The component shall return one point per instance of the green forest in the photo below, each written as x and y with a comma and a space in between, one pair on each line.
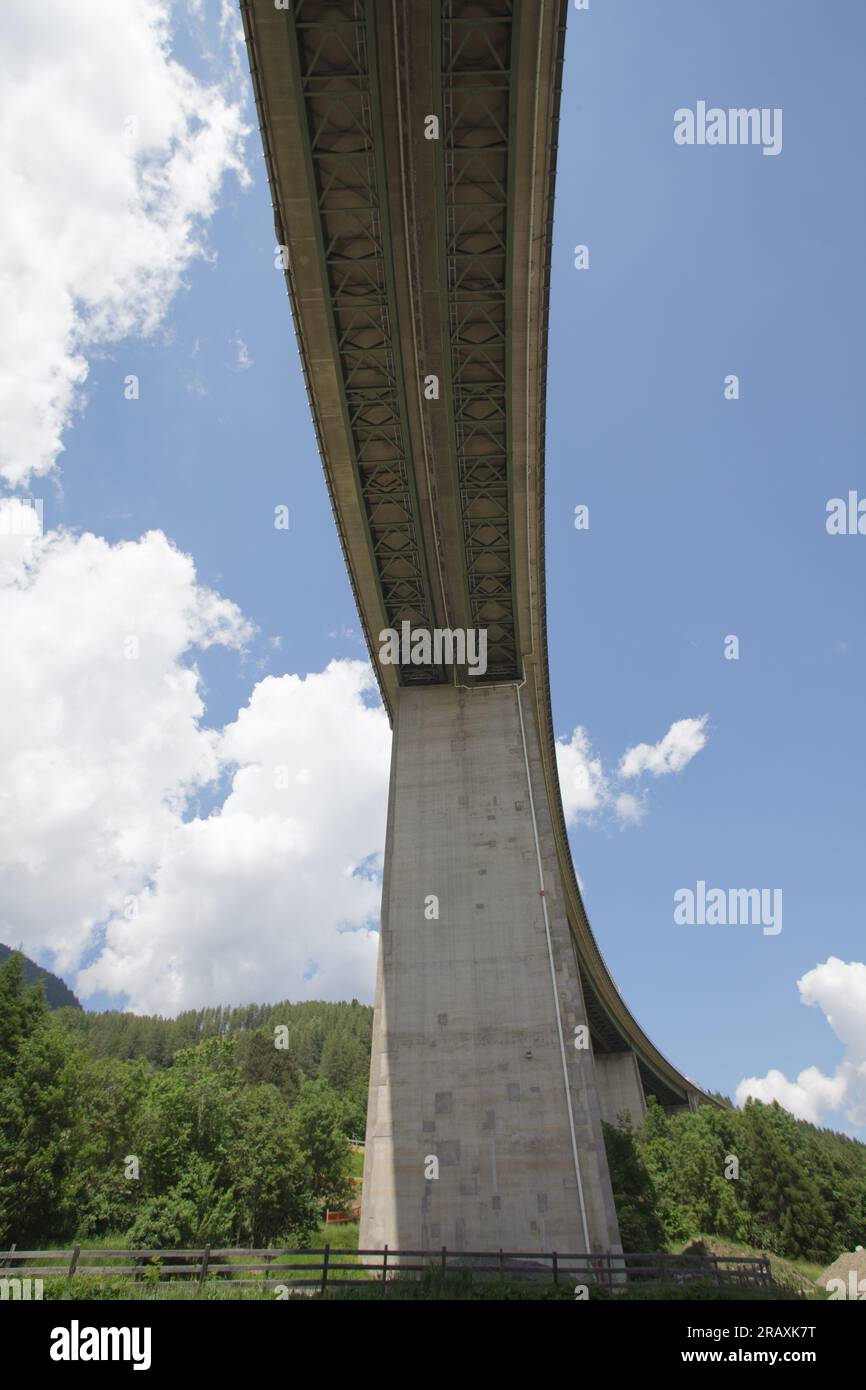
219, 1127
233, 1126
794, 1190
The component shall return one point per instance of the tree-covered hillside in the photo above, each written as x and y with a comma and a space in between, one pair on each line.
754, 1175
222, 1127
58, 995
327, 1040
233, 1125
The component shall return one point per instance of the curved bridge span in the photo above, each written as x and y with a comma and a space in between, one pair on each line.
411, 151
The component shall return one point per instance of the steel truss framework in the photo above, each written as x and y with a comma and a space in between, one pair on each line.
334, 50
334, 53
476, 77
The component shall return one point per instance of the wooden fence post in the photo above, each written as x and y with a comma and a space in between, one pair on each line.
443, 1261
204, 1264
384, 1270
555, 1269
73, 1262
325, 1269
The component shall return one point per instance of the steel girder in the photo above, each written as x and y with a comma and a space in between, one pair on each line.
333, 44
476, 79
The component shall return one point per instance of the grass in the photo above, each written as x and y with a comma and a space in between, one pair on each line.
467, 1289
429, 1288
798, 1276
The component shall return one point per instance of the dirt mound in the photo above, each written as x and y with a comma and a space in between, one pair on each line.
840, 1269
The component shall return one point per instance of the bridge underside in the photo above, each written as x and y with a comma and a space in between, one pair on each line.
411, 153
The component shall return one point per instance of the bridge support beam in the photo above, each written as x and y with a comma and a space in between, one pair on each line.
484, 1122
620, 1089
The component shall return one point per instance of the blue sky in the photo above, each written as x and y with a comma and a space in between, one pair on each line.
707, 518
711, 513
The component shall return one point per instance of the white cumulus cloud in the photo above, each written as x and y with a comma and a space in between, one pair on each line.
276, 893
587, 788
100, 741
112, 155
838, 988
672, 753
581, 776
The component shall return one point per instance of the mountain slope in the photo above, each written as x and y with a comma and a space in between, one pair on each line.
57, 994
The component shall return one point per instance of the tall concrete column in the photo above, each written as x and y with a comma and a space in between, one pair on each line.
475, 1073
620, 1089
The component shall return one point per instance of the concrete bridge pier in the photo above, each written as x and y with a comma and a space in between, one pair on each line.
620, 1089
484, 1120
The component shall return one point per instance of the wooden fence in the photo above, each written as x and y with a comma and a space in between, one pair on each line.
360, 1267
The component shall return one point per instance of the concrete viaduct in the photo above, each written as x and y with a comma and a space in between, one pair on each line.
411, 147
